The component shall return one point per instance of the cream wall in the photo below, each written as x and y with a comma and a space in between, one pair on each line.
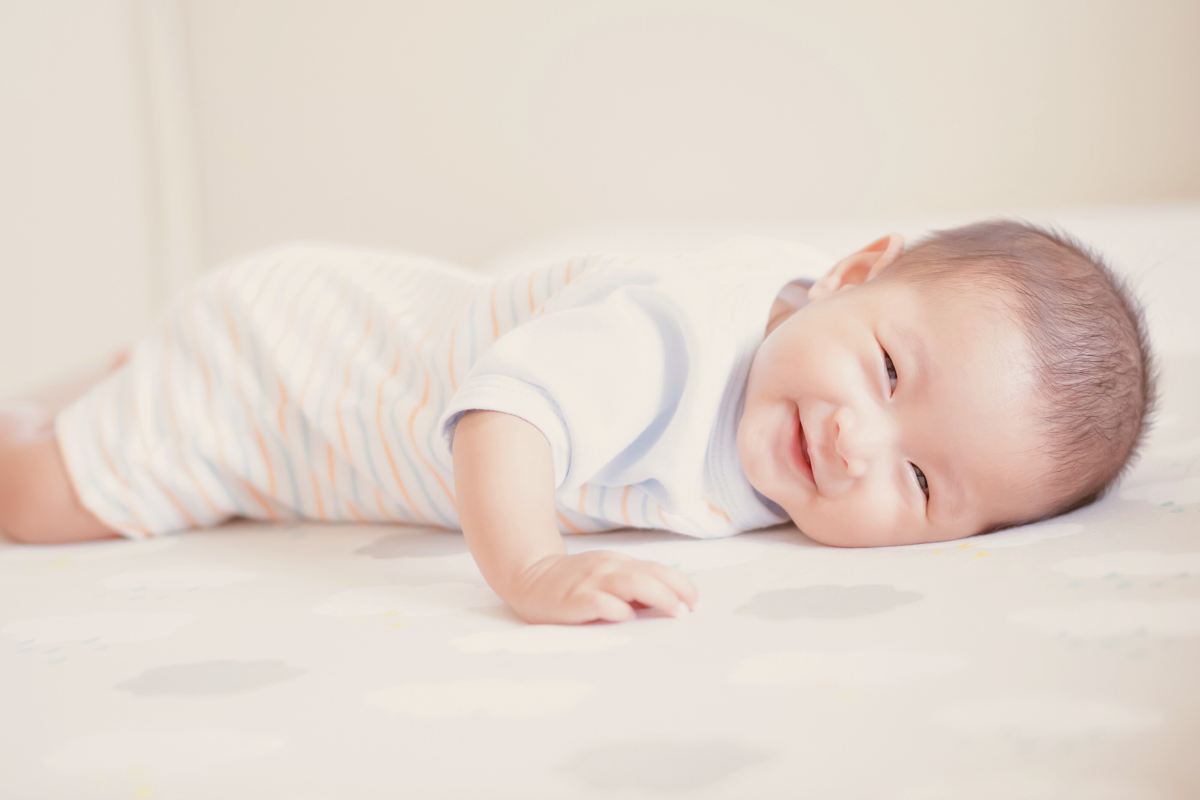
141, 140
76, 224
462, 126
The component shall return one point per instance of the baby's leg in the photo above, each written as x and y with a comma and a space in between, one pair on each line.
38, 504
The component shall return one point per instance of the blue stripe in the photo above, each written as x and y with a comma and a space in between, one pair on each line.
225, 393
96, 483
433, 438
395, 502
417, 357
512, 301
366, 443
155, 412
354, 487
471, 318
155, 499
309, 347
263, 411
198, 390
283, 443
409, 390
317, 413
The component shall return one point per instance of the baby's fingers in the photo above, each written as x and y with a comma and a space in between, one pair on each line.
649, 590
610, 608
680, 583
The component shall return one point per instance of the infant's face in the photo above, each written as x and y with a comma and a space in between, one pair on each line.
883, 415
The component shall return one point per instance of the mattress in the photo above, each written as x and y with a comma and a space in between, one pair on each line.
311, 662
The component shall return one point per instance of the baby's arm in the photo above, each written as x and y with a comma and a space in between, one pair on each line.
504, 482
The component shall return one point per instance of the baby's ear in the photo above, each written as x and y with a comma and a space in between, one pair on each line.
860, 267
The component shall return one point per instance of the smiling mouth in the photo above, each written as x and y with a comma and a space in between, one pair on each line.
800, 451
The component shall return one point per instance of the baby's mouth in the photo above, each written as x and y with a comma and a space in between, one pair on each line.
807, 461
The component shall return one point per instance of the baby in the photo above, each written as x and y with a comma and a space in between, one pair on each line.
989, 376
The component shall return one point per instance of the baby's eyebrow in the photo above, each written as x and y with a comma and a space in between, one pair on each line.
915, 345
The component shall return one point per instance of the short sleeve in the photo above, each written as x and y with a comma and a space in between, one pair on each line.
600, 380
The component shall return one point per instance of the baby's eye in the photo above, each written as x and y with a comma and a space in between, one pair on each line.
891, 370
921, 480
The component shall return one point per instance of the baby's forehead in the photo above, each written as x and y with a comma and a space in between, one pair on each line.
957, 318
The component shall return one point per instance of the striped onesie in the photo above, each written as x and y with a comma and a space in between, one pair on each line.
324, 382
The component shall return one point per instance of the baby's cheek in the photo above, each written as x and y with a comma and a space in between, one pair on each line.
851, 521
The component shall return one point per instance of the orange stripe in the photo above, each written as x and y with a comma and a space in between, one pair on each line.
469, 305
333, 483
287, 324
531, 303
566, 521
262, 446
112, 468
144, 530
413, 438
208, 391
249, 413
317, 492
424, 401
175, 502
261, 288
383, 437
379, 502
660, 516
282, 406
262, 501
419, 298
495, 323
717, 511
625, 504
175, 424
324, 336
569, 270
345, 443
337, 407
450, 360
582, 497
411, 274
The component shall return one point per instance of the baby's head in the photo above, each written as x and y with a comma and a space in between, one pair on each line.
991, 375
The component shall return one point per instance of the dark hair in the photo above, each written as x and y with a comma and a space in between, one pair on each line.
1094, 370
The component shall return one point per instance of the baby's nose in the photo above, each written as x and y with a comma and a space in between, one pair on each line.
856, 440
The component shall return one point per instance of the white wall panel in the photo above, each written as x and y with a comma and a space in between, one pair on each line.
74, 230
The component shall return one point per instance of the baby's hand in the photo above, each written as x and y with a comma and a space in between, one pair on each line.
599, 585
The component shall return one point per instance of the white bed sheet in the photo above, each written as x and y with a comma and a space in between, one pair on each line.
315, 661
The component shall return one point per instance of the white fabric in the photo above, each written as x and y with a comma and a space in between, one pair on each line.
308, 381
636, 375
299, 382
